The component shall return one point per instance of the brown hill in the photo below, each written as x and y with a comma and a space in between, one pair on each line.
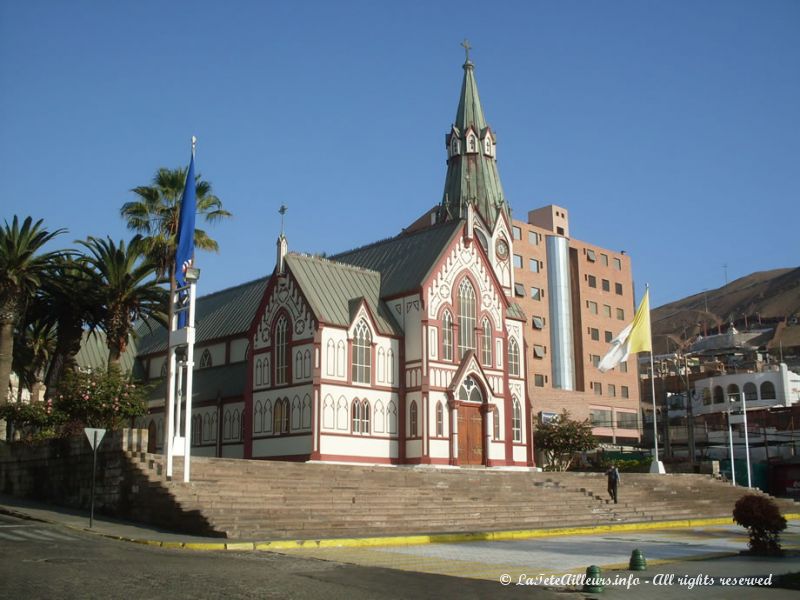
766, 298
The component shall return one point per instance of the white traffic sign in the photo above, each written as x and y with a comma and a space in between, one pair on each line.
95, 436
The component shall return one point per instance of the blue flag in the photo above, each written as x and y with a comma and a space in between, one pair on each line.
185, 251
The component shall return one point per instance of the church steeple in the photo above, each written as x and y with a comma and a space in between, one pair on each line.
472, 176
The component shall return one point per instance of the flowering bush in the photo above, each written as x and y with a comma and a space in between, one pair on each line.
32, 420
98, 399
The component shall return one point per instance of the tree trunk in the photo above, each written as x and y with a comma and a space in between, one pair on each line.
68, 345
6, 357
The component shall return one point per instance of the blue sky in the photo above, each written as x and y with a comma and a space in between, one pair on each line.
669, 129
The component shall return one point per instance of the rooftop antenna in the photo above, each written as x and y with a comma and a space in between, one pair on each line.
282, 210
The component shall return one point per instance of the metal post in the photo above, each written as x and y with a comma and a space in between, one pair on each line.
746, 441
187, 440
656, 466
94, 473
730, 442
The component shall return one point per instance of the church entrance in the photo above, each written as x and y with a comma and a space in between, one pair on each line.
470, 435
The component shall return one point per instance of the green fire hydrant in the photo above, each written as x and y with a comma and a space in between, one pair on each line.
594, 582
637, 562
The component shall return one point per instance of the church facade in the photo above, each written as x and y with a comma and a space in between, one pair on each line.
410, 350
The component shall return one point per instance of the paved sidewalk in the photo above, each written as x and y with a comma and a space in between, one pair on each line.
698, 558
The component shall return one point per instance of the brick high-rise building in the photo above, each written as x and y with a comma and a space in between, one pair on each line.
577, 297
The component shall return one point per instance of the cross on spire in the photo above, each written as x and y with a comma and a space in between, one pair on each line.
467, 47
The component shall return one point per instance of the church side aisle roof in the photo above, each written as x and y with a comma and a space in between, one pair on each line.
221, 314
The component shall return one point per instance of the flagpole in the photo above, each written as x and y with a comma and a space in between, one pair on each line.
656, 466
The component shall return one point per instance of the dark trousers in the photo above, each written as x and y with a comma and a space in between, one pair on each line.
612, 490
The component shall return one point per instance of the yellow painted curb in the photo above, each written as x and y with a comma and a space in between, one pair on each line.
239, 546
204, 546
172, 544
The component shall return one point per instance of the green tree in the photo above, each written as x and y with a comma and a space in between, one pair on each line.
561, 438
68, 300
156, 211
33, 348
22, 264
127, 290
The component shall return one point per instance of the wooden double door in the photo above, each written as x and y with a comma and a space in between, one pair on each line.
470, 435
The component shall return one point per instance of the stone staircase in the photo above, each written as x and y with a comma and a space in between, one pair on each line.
245, 499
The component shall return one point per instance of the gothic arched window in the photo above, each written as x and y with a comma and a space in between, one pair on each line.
281, 351
362, 353
513, 357
466, 318
439, 419
486, 344
768, 391
447, 336
205, 359
413, 419
516, 420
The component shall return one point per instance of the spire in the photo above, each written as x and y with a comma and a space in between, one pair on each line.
472, 176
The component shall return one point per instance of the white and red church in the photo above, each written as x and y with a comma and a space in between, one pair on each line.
406, 351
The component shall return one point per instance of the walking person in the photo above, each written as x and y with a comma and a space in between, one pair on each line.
613, 481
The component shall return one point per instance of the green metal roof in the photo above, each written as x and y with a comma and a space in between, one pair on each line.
403, 261
93, 353
226, 381
331, 288
222, 314
472, 178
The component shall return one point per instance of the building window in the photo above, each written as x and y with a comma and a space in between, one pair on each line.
590, 256
362, 353
618, 264
361, 416
719, 395
592, 306
513, 357
750, 391
539, 351
413, 419
466, 318
536, 293
618, 289
533, 238
628, 420
356, 410
205, 359
516, 420
495, 423
533, 265
447, 336
733, 393
612, 390
486, 344
598, 388
604, 259
606, 311
594, 333
439, 420
768, 391
623, 391
595, 360
517, 232
469, 392
537, 322
280, 416
608, 336
517, 261
592, 281
538, 380
281, 351
620, 314
365, 417
599, 417
519, 290
623, 367
706, 396
606, 285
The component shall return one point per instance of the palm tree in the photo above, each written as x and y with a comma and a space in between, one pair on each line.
127, 290
68, 301
155, 216
21, 269
33, 348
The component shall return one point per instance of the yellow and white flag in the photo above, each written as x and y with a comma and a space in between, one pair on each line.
634, 338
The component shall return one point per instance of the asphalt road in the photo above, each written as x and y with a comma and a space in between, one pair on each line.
39, 560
